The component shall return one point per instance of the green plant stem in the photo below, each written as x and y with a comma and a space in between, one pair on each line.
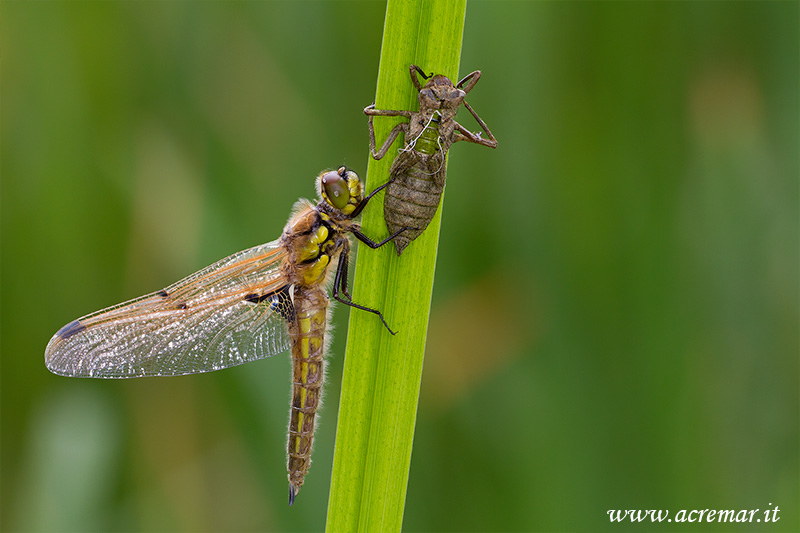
380, 387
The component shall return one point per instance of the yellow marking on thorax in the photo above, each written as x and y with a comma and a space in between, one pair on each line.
312, 248
315, 271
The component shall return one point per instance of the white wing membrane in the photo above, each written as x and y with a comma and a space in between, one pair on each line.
227, 314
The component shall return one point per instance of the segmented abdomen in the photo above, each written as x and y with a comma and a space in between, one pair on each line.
413, 197
308, 351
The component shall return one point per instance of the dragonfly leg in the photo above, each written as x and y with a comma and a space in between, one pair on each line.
341, 270
463, 134
472, 78
372, 244
414, 70
402, 127
360, 207
371, 111
341, 281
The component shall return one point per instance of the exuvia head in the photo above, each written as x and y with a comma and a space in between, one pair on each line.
440, 93
340, 189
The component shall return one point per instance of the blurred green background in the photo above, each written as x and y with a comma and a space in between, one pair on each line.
615, 315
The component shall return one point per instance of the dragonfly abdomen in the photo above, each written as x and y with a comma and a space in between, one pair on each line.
413, 197
308, 351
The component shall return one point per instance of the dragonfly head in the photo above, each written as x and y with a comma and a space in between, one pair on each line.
340, 189
440, 93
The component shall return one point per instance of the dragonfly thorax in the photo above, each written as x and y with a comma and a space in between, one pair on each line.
429, 141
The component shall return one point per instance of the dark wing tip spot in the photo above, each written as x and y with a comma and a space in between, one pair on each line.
162, 293
71, 329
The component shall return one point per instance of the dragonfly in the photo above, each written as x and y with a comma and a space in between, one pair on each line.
417, 175
249, 306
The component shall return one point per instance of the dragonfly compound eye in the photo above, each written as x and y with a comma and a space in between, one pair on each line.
457, 95
428, 98
335, 189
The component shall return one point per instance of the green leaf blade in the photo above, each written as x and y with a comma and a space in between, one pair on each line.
380, 386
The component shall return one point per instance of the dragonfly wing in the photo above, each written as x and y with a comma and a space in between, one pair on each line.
229, 313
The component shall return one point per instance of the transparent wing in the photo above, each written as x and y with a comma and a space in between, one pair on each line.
229, 313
